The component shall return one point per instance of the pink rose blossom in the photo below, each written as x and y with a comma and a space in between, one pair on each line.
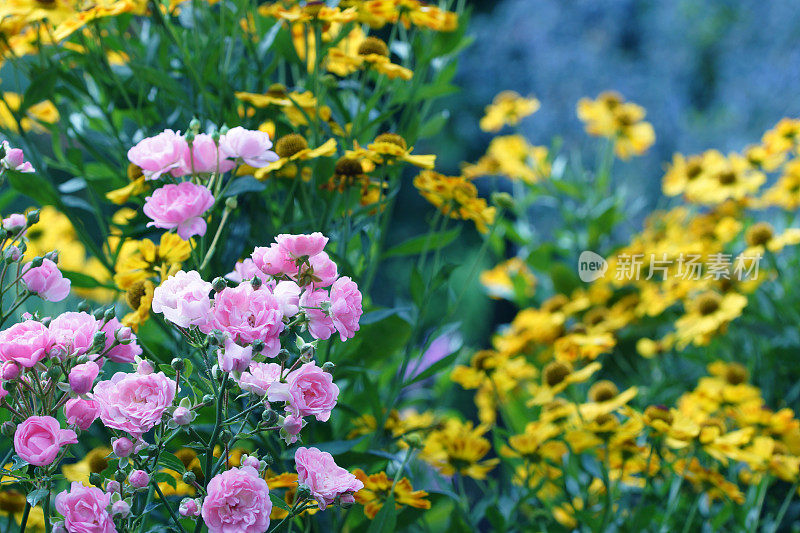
183, 299
345, 307
46, 281
179, 207
14, 159
234, 358
10, 370
274, 260
159, 154
144, 367
134, 403
203, 157
320, 324
139, 479
291, 429
309, 391
189, 507
247, 314
73, 333
259, 377
251, 146
81, 377
121, 353
25, 343
288, 295
245, 270
39, 439
122, 446
324, 269
80, 412
237, 501
323, 476
302, 245
15, 223
251, 461
85, 509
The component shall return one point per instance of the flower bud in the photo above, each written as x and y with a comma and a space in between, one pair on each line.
283, 355
231, 203
189, 507
219, 284
328, 367
120, 476
37, 262
32, 217
139, 479
52, 256
256, 283
113, 486
178, 365
10, 370
346, 500
194, 125
182, 416
54, 373
99, 339
249, 460
109, 314
123, 334
84, 306
120, 508
95, 479
98, 314
303, 492
11, 254
144, 368
8, 428
122, 446
81, 377
189, 477
502, 200
258, 346
269, 417
59, 527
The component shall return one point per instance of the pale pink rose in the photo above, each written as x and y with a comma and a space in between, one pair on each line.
189, 507
324, 269
234, 358
81, 377
46, 281
85, 509
302, 245
320, 324
26, 343
246, 270
237, 501
251, 146
121, 353
309, 391
345, 307
323, 476
251, 461
288, 295
122, 446
179, 206
247, 314
15, 223
259, 377
183, 299
14, 159
73, 333
291, 428
159, 154
274, 260
132, 402
80, 412
203, 157
139, 479
144, 367
39, 439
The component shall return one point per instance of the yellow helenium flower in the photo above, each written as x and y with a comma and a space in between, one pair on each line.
456, 197
507, 109
514, 157
785, 193
44, 112
459, 448
377, 488
387, 148
707, 315
500, 282
294, 147
623, 122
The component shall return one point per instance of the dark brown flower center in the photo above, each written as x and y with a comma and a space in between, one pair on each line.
555, 373
373, 45
290, 144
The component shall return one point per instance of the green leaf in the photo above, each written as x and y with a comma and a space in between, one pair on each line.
170, 461
245, 184
280, 502
428, 242
386, 518
438, 366
34, 497
417, 287
81, 280
34, 186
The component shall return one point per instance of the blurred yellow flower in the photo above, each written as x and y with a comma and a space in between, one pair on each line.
507, 109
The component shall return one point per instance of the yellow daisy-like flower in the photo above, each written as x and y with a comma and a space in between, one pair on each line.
377, 488
139, 297
507, 109
761, 236
610, 116
456, 197
785, 193
503, 280
556, 377
137, 186
514, 157
388, 148
42, 112
724, 178
783, 137
292, 148
707, 315
459, 448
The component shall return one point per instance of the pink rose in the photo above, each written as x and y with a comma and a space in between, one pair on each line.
122, 446
259, 377
121, 353
345, 307
183, 299
189, 507
80, 412
46, 281
15, 223
81, 377
234, 358
288, 295
121, 508
247, 314
10, 370
39, 439
85, 509
179, 207
26, 343
139, 479
182, 416
320, 324
302, 245
245, 270
144, 367
237, 501
73, 333
274, 260
309, 391
134, 403
320, 473
252, 147
291, 428
324, 269
203, 157
159, 154
14, 159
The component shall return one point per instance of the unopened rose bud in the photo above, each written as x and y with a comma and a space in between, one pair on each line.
231, 203
84, 306
215, 137
269, 417
283, 355
182, 416
219, 284
258, 346
109, 314
54, 373
144, 368
328, 367
120, 508
194, 125
303, 492
256, 283
122, 447
346, 500
37, 262
52, 256
249, 460
10, 370
123, 334
120, 476
178, 365
189, 508
139, 479
95, 479
113, 486
8, 428
99, 339
98, 314
32, 217
189, 477
11, 254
